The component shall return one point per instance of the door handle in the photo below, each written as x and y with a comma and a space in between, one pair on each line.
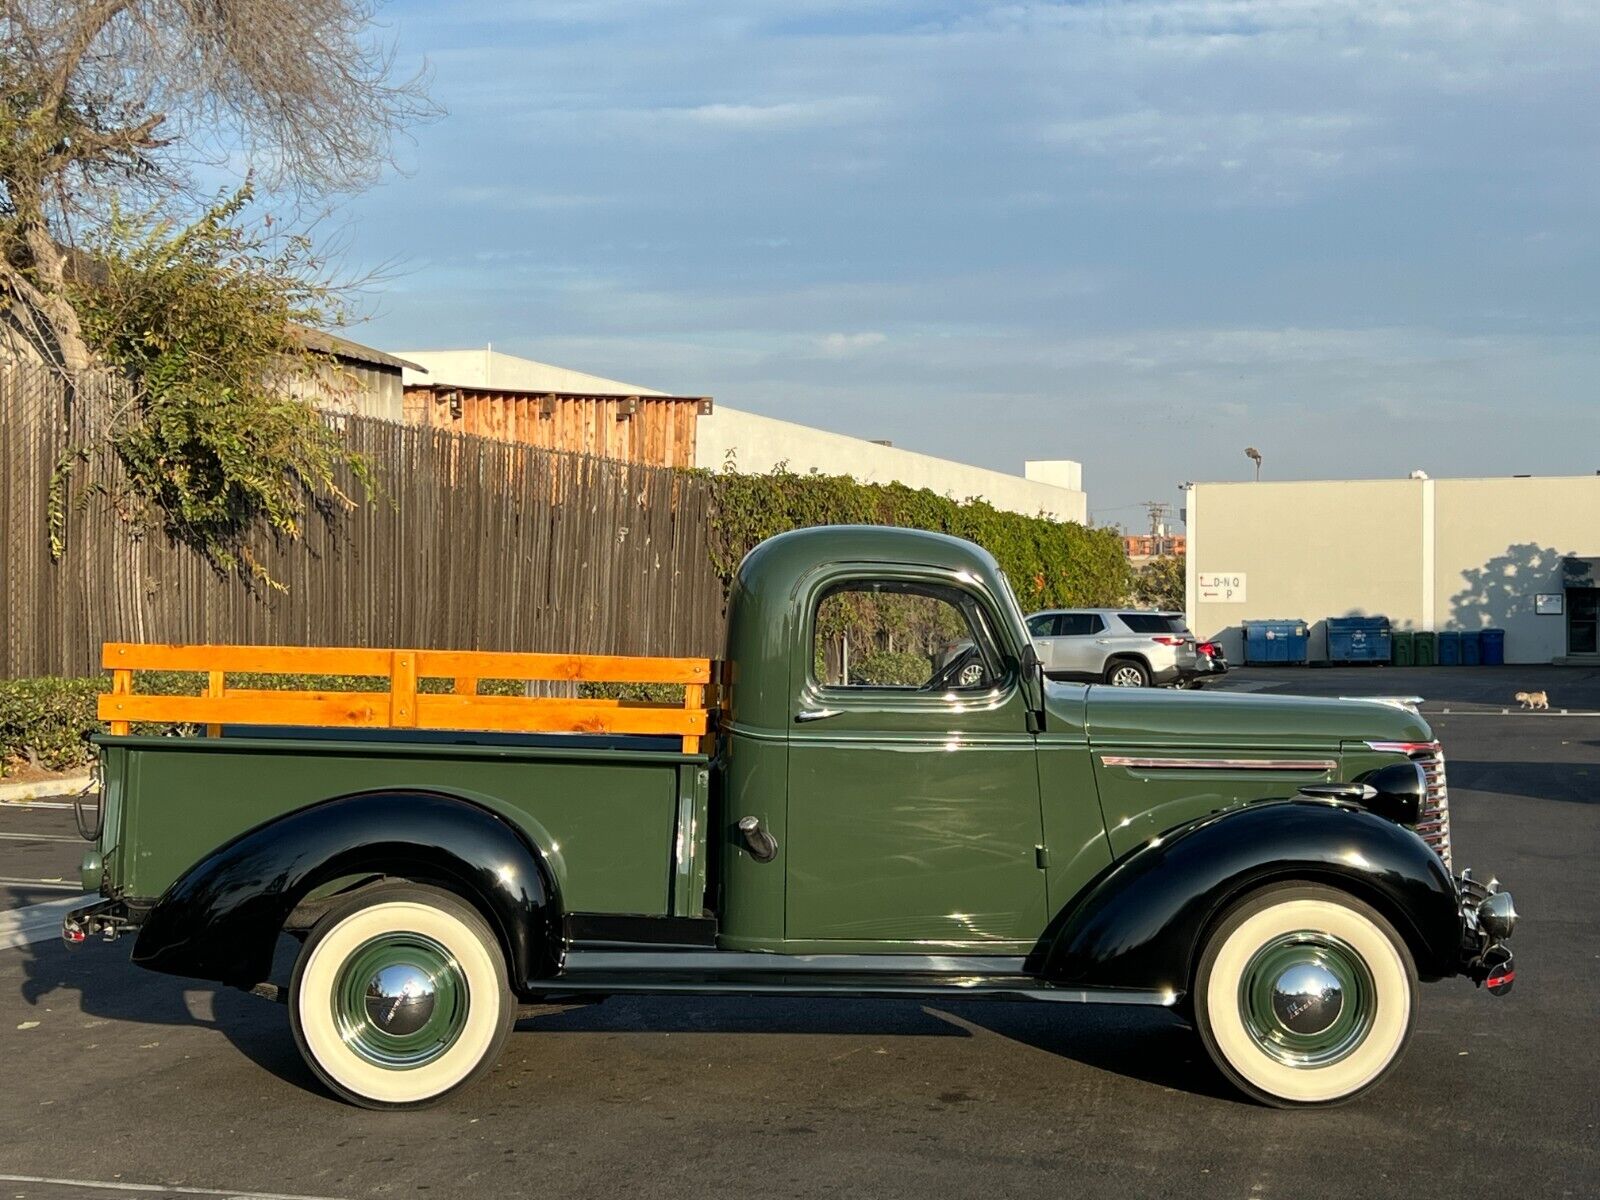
817, 714
763, 847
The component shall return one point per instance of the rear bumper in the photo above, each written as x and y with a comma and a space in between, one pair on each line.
1488, 917
107, 918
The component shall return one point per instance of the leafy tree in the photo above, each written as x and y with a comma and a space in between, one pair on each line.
204, 320
1160, 583
132, 99
111, 255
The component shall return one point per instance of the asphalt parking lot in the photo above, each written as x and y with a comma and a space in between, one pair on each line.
113, 1078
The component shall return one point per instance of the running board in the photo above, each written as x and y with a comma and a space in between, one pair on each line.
884, 976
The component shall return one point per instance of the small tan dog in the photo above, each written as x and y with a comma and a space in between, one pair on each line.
1531, 700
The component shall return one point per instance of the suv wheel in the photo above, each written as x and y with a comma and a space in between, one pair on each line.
400, 996
1127, 672
1304, 996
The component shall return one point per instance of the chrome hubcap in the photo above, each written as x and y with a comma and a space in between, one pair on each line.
1307, 999
400, 1000
1126, 677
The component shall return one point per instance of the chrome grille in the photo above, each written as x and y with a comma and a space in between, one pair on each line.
1434, 825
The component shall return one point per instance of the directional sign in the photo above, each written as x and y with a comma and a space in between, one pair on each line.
1220, 587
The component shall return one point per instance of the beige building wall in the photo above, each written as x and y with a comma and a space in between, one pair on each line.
757, 444
1427, 554
1499, 543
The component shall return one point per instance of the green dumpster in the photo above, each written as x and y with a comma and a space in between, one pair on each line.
1427, 651
1402, 648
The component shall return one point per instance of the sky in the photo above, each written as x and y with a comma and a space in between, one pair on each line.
1359, 235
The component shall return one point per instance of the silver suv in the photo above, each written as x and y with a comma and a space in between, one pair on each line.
1117, 646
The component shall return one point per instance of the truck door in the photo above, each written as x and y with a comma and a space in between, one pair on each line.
913, 808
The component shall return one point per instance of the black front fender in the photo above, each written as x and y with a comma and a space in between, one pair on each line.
1139, 925
221, 919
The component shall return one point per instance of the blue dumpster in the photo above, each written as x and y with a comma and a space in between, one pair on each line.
1449, 648
1276, 642
1471, 647
1493, 650
1358, 639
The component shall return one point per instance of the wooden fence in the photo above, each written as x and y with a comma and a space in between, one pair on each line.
475, 544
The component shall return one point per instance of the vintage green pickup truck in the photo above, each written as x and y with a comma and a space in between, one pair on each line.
1275, 869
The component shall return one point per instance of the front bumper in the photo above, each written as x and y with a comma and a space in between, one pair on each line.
1488, 917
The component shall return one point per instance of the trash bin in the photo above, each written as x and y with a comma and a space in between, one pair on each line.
1449, 648
1471, 647
1427, 653
1493, 648
1275, 642
1358, 639
1402, 648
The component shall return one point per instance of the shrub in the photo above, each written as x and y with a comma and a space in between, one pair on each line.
891, 668
1051, 564
44, 721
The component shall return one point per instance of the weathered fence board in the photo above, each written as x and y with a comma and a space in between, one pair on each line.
474, 544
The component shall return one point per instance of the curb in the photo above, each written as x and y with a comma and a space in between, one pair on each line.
45, 789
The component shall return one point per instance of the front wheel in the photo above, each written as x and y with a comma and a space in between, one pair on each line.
1305, 996
399, 996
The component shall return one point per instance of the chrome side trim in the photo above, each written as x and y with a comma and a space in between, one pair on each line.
1221, 764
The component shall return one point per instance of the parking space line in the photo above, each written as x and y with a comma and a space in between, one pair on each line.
39, 837
35, 804
58, 884
1519, 713
157, 1189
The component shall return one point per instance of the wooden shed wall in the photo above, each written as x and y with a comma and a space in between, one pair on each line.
660, 432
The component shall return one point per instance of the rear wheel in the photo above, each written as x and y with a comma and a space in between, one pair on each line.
1127, 672
1305, 996
400, 996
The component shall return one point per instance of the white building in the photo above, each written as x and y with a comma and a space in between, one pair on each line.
1515, 553
758, 444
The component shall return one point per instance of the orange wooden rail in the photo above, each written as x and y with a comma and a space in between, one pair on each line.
402, 706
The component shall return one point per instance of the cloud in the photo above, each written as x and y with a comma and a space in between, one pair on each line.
842, 345
975, 226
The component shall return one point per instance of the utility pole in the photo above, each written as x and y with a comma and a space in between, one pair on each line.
1160, 511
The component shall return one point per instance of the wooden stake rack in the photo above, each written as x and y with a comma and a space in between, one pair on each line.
402, 706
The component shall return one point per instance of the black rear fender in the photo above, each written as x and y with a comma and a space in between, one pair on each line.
221, 919
1141, 924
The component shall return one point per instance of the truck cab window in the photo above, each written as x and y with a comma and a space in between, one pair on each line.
903, 636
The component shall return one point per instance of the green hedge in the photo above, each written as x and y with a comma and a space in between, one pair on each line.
1050, 563
45, 721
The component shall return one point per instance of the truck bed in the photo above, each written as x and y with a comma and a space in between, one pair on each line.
610, 814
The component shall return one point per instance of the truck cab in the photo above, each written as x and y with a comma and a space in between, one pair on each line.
896, 802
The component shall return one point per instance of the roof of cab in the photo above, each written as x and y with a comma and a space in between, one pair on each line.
796, 553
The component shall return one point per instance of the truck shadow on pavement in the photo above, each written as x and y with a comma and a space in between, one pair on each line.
108, 986
1143, 1044
1150, 1045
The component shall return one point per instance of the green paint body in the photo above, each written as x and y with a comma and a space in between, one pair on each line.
905, 822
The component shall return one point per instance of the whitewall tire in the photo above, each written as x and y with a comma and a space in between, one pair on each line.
1305, 996
400, 996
